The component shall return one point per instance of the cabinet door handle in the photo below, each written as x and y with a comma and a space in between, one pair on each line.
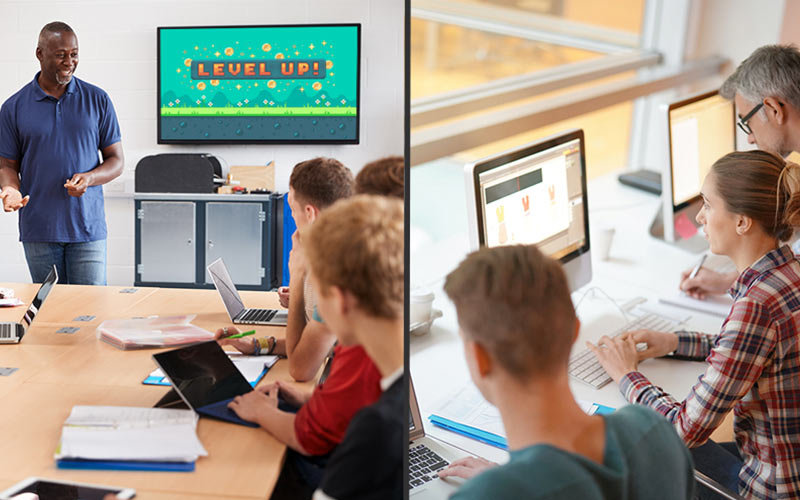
189, 242
210, 244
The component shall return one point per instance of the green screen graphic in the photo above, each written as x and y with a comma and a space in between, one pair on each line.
274, 83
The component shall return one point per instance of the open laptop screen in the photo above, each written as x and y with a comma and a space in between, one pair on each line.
202, 374
224, 284
415, 429
41, 295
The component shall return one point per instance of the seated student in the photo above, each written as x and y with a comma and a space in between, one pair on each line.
384, 177
352, 381
355, 255
518, 324
313, 186
751, 200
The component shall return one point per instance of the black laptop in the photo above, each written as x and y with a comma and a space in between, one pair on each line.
11, 332
206, 379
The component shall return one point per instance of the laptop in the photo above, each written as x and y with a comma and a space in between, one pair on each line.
206, 379
239, 314
12, 333
427, 456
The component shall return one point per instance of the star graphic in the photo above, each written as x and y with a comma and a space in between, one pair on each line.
238, 87
179, 70
296, 52
196, 47
311, 47
324, 42
216, 53
302, 89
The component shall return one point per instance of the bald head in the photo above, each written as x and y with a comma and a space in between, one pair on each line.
56, 28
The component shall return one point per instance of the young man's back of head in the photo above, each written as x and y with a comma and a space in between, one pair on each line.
321, 182
516, 303
384, 177
357, 246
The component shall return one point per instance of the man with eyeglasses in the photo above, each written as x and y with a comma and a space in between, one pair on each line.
765, 89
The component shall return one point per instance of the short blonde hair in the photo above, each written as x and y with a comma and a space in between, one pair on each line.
357, 245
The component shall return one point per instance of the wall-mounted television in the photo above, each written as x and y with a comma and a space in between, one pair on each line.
277, 84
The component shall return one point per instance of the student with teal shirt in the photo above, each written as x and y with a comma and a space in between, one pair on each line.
518, 325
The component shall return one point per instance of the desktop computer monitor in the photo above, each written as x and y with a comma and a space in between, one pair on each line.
534, 194
700, 130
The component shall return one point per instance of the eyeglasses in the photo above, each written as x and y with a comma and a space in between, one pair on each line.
742, 121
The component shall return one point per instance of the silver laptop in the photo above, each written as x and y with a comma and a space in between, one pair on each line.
239, 314
12, 333
427, 456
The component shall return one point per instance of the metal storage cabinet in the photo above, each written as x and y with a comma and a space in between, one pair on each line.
234, 231
168, 244
178, 235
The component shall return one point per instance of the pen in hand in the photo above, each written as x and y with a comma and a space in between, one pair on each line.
697, 267
243, 334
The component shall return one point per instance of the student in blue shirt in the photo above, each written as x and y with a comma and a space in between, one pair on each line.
517, 324
50, 134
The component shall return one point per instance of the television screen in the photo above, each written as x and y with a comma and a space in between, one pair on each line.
259, 84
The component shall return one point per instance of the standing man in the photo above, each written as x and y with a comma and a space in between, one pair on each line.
50, 134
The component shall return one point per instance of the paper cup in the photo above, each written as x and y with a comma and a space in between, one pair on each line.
602, 242
420, 306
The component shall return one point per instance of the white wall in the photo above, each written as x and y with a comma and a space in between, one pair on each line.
117, 42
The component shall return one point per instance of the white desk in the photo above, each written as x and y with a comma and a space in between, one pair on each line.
639, 266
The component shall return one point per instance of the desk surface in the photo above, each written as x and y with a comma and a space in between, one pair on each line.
639, 266
57, 371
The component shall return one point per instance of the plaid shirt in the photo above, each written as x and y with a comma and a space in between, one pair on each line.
754, 369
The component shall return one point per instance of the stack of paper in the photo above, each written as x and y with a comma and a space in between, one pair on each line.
127, 438
137, 333
252, 367
466, 412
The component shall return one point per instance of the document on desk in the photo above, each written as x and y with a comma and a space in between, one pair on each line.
252, 367
128, 434
466, 412
718, 305
139, 333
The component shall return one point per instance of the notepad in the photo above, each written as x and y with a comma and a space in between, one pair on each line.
718, 305
467, 413
252, 367
129, 438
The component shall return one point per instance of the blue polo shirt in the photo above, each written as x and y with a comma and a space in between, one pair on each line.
53, 139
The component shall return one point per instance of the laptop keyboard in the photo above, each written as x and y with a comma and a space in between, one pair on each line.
423, 464
584, 365
257, 316
8, 331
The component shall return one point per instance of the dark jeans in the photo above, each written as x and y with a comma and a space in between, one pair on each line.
300, 475
719, 461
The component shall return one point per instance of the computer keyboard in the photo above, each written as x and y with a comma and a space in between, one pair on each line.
8, 331
584, 366
423, 464
258, 316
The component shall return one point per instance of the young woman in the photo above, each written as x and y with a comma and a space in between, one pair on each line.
751, 202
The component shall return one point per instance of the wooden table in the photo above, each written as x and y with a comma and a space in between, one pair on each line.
57, 371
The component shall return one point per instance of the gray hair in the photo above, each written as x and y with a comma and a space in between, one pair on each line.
770, 71
51, 28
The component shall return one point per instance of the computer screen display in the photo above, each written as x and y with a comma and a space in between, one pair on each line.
278, 84
701, 130
537, 198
